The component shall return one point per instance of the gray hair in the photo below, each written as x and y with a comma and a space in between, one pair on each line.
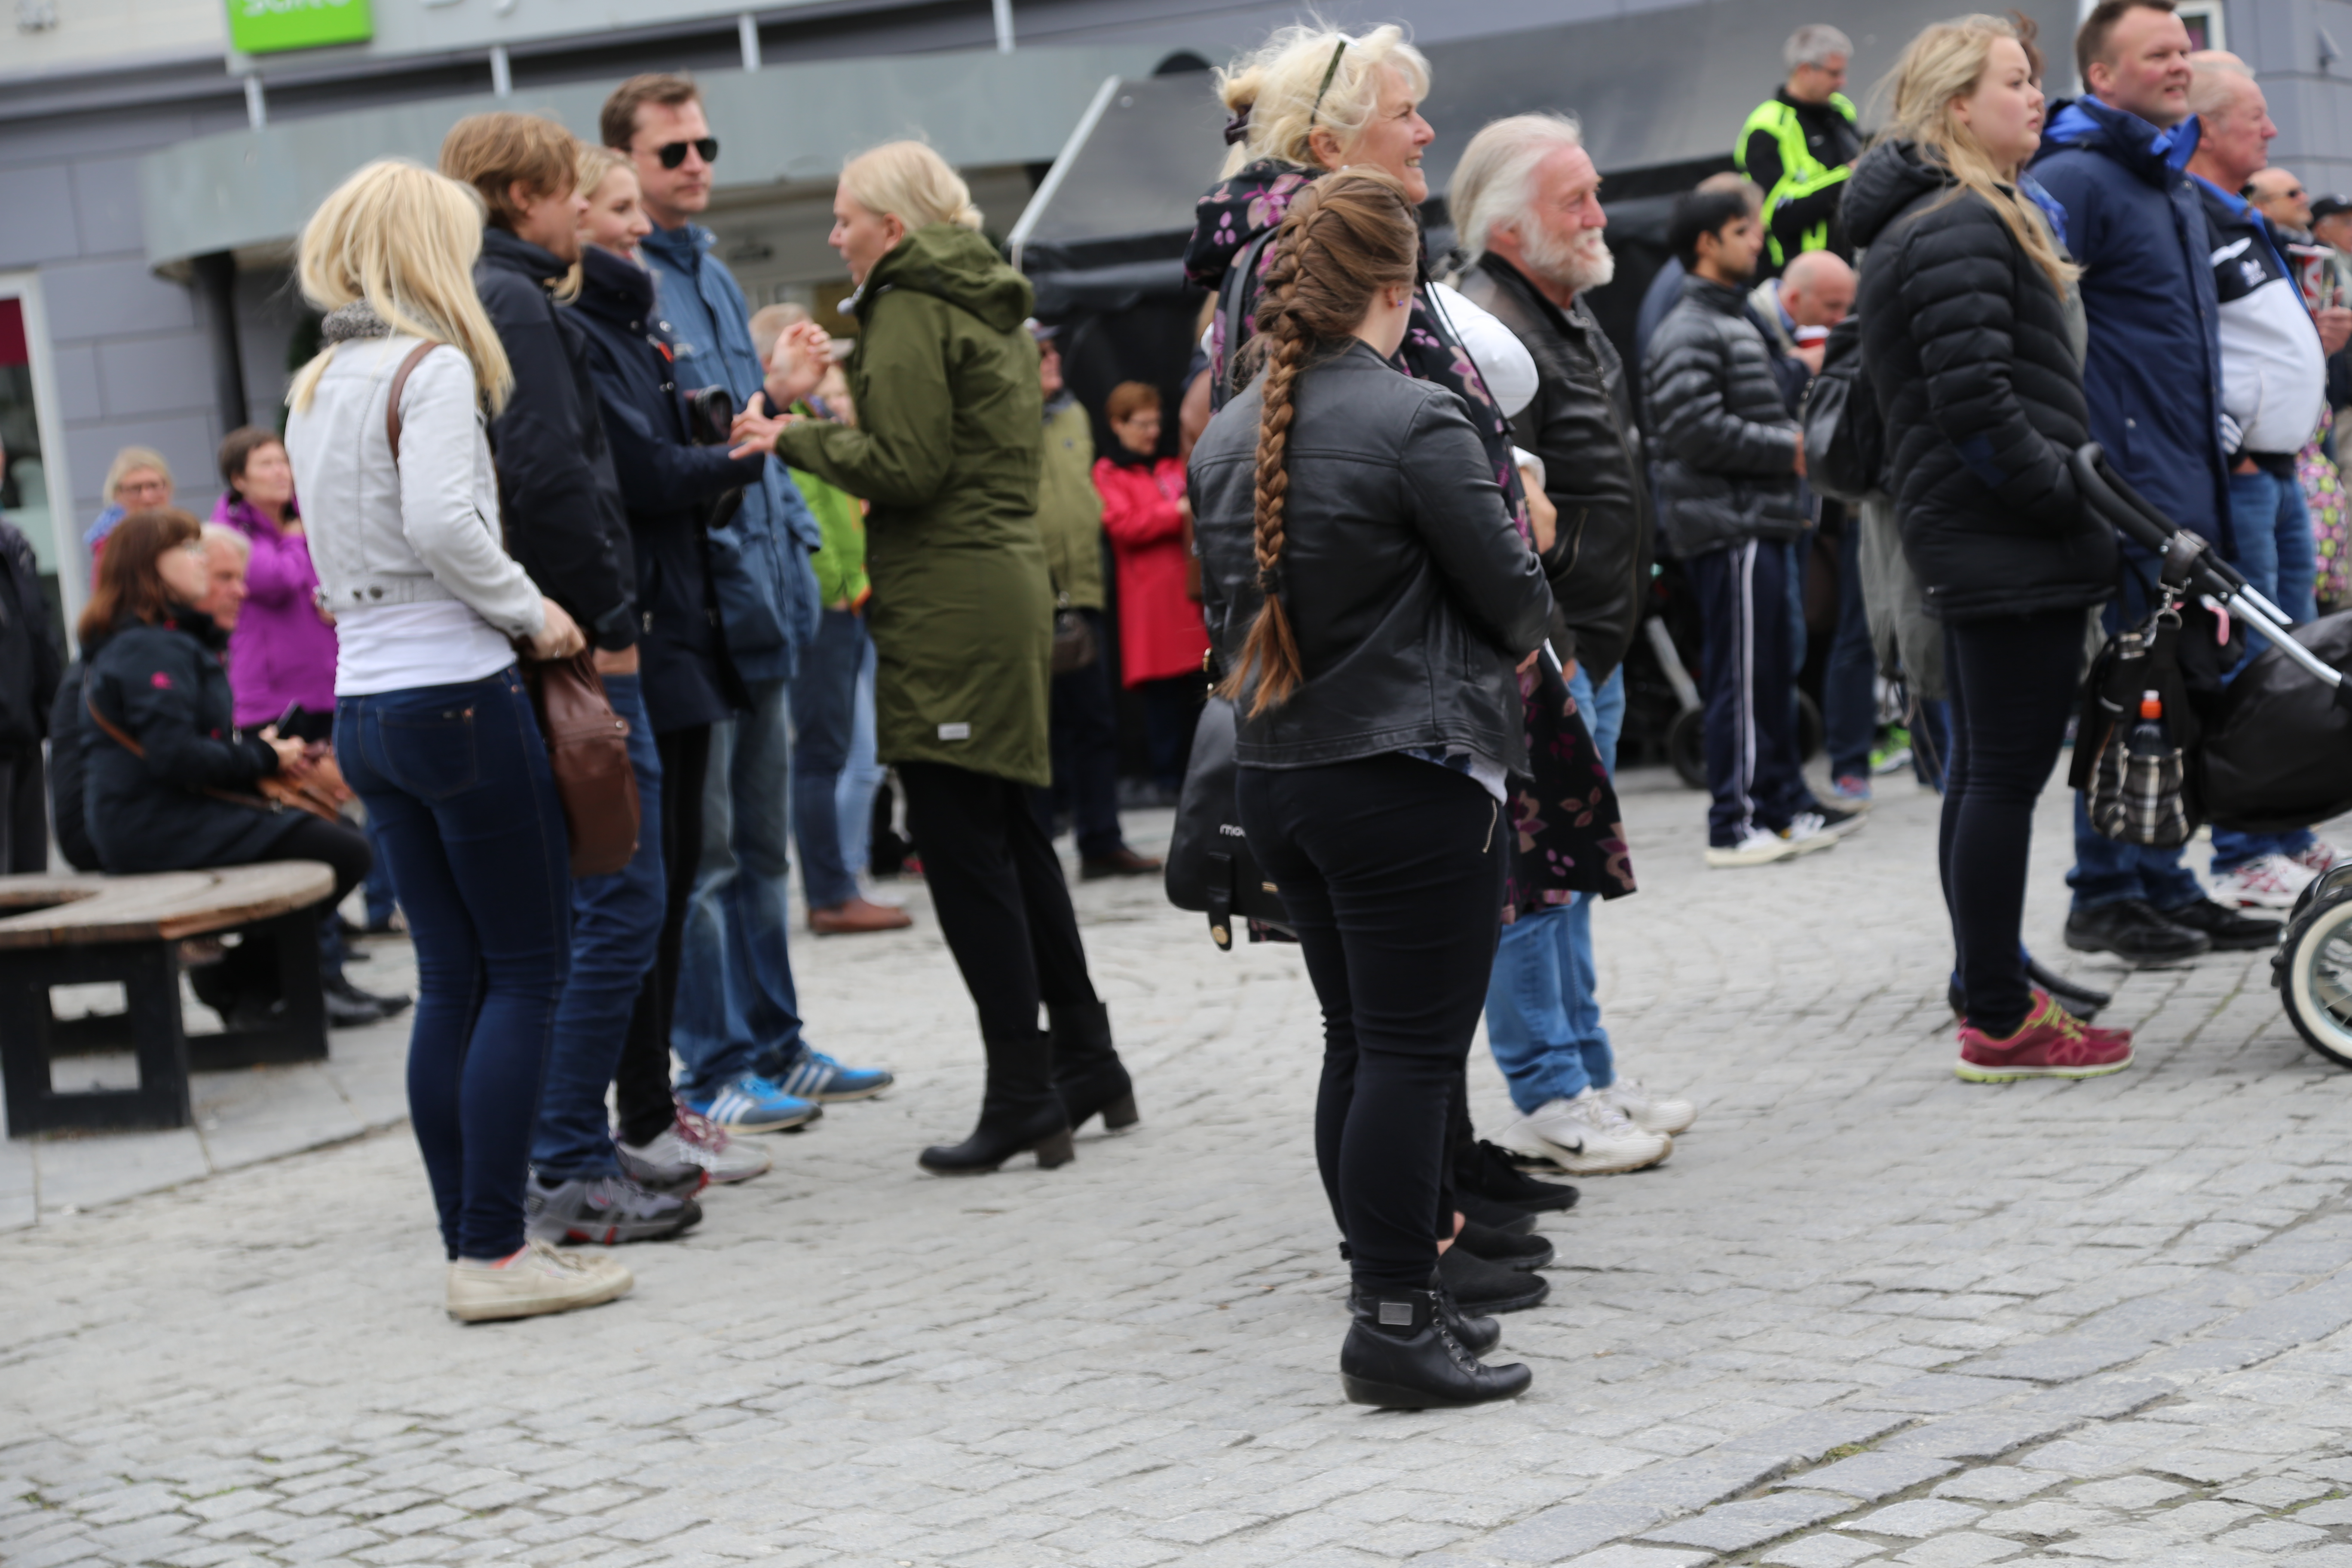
222, 533
1493, 182
1813, 44
2213, 80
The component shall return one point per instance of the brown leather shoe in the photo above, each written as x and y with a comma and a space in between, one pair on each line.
1125, 863
857, 915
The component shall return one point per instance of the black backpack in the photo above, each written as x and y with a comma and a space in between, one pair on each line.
1210, 866
1845, 439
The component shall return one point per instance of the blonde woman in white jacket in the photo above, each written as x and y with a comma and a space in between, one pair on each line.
433, 727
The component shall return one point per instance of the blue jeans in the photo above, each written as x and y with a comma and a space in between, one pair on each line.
1849, 686
2106, 872
615, 924
457, 781
2280, 559
377, 888
1543, 1022
853, 797
824, 702
736, 1003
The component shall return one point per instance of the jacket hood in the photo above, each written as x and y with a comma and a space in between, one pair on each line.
1890, 177
613, 286
2148, 150
501, 248
955, 264
1236, 210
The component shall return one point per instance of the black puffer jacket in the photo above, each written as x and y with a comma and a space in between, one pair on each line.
1726, 446
164, 685
69, 766
1411, 593
1581, 425
1964, 341
557, 493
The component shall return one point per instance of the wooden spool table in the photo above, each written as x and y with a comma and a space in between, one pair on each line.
79, 930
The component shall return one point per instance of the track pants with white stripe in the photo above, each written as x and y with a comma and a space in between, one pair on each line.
1751, 743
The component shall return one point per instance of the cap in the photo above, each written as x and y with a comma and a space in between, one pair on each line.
2328, 207
1043, 332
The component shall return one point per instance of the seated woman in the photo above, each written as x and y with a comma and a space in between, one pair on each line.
167, 779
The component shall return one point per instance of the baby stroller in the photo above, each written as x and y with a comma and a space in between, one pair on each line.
2268, 751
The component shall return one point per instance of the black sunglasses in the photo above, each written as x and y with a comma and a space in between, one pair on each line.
673, 153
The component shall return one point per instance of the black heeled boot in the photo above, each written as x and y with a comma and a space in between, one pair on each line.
1018, 1113
1088, 1073
1400, 1355
1478, 1336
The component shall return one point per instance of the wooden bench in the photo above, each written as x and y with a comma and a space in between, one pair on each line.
81, 929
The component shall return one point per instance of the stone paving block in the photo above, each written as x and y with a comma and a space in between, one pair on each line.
1994, 1483
1985, 1436
1822, 1551
1639, 1557
1736, 1526
1870, 1476
1916, 1519
2337, 1510
2138, 1492
1571, 1529
2274, 1535
1939, 1393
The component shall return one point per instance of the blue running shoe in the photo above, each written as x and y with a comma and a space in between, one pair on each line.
753, 1104
813, 1075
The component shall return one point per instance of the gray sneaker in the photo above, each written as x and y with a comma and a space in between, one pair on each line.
606, 1210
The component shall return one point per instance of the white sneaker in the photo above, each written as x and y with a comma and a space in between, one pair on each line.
2319, 858
2265, 882
1588, 1136
536, 1280
1808, 831
1649, 1111
693, 1140
1758, 849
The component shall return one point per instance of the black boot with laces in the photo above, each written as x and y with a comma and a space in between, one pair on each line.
1400, 1355
1478, 1336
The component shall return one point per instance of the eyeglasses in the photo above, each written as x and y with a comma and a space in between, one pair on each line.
673, 153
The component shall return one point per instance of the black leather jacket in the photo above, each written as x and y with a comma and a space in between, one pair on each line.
1411, 593
1724, 439
1581, 425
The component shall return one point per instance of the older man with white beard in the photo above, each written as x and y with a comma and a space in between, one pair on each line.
1527, 201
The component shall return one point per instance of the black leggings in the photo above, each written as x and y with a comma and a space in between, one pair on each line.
641, 1083
1391, 871
2012, 684
997, 888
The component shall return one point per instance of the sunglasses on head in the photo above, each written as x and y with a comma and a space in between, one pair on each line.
673, 153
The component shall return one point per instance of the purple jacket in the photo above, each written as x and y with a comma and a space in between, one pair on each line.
280, 652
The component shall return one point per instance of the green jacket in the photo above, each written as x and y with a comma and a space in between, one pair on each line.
1801, 153
946, 451
840, 563
1069, 508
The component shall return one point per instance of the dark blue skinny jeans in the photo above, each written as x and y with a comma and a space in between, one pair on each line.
455, 780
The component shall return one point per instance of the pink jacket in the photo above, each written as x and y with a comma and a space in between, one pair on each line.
280, 652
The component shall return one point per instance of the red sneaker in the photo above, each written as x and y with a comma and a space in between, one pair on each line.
2049, 1043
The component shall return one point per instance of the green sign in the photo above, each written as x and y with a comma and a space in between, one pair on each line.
267, 26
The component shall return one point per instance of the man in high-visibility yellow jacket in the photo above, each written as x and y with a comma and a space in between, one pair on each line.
1800, 145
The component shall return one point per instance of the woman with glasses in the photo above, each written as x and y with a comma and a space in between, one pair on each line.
139, 479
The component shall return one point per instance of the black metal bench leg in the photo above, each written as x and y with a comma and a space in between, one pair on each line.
148, 974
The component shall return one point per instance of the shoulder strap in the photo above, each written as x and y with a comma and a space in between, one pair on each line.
115, 731
399, 386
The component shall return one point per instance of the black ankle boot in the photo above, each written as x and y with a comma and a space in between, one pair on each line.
1019, 1112
1400, 1355
1478, 1336
1088, 1073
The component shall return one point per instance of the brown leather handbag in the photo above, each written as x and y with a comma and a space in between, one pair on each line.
587, 742
319, 788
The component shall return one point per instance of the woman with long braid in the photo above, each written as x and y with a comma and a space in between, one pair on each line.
1369, 596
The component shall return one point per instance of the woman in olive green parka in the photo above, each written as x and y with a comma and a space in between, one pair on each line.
946, 454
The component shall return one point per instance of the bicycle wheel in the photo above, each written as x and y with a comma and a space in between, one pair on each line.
2313, 970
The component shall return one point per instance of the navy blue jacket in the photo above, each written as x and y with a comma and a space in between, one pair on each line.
2153, 377
667, 485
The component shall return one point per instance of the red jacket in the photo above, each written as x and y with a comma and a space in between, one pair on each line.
1161, 632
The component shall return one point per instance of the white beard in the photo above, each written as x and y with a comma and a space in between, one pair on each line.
1583, 263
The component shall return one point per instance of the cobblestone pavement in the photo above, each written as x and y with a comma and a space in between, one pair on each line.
1866, 1314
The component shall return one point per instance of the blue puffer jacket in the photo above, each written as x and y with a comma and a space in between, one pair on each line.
759, 562
2153, 377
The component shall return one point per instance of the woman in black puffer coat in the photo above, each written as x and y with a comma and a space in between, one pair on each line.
1971, 337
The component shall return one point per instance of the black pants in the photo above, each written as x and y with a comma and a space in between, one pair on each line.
1392, 870
249, 970
1085, 753
641, 1083
23, 812
1752, 768
2012, 684
998, 889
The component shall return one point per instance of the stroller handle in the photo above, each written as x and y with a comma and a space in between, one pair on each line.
2115, 502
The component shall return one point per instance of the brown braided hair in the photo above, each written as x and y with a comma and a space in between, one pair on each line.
1349, 235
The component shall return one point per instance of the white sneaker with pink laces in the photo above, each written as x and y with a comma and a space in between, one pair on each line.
2265, 882
2319, 858
696, 1140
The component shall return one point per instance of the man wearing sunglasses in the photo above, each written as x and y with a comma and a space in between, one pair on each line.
738, 1026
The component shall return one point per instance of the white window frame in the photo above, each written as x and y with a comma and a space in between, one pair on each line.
65, 538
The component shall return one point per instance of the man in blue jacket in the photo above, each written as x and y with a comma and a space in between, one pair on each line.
2115, 162
737, 1026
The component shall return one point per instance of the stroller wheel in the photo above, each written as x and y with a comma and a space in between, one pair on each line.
2314, 972
1686, 747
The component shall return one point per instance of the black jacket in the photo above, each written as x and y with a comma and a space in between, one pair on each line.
557, 493
1723, 440
1581, 425
1411, 593
1964, 342
28, 653
667, 484
68, 768
164, 685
